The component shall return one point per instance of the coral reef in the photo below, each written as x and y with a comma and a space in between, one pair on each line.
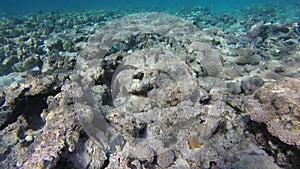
275, 105
196, 89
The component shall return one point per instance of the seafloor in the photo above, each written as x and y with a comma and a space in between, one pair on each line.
183, 88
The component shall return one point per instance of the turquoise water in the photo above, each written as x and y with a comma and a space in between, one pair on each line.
20, 7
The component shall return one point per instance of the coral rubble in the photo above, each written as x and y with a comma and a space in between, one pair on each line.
110, 89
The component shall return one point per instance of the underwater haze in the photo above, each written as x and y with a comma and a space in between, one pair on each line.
18, 7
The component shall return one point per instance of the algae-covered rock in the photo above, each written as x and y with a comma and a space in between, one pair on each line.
60, 133
250, 84
278, 108
247, 56
250, 59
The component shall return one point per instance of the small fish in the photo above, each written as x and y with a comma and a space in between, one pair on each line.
116, 48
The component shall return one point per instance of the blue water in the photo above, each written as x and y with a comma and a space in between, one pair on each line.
19, 7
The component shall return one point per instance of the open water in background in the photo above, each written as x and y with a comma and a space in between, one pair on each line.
21, 7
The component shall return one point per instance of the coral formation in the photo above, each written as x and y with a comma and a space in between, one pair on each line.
150, 90
278, 107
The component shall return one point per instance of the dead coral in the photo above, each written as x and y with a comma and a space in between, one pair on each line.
277, 105
60, 132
